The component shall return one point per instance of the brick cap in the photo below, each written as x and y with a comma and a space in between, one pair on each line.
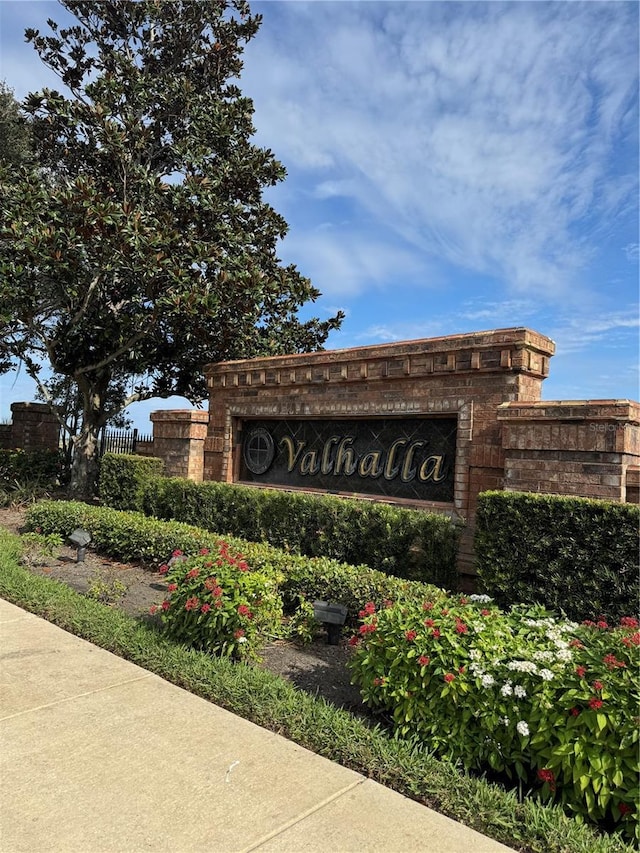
199, 416
31, 407
628, 410
516, 337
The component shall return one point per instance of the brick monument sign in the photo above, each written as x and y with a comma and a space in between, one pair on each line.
428, 424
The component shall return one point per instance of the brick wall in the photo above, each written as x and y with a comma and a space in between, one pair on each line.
468, 376
587, 448
5, 436
34, 426
178, 439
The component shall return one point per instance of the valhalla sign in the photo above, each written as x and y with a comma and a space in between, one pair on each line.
406, 458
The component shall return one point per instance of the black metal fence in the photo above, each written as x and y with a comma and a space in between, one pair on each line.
121, 441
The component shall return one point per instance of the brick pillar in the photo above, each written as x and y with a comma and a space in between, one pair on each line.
178, 439
34, 427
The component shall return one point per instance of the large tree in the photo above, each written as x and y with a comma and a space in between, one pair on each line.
139, 244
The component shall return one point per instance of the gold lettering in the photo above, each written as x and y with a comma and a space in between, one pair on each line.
309, 462
408, 473
327, 462
345, 458
431, 469
370, 464
389, 471
292, 457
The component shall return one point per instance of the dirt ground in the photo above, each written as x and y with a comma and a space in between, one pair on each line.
318, 668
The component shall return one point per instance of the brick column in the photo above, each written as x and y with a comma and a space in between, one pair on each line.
34, 427
178, 439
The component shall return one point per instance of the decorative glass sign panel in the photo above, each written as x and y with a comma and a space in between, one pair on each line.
408, 458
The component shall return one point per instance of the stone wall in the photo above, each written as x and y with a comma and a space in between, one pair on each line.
178, 439
33, 427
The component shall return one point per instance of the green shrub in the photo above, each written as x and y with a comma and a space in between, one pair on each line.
123, 479
215, 603
43, 468
131, 536
402, 542
572, 555
550, 703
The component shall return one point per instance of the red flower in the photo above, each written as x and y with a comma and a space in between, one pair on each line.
369, 608
192, 603
164, 568
165, 604
435, 633
575, 712
243, 610
153, 609
612, 662
601, 624
354, 641
203, 552
624, 808
548, 777
217, 591
193, 573
378, 682
210, 584
461, 669
576, 644
243, 566
423, 660
449, 677
632, 639
485, 612
217, 603
428, 605
595, 703
461, 628
444, 611
429, 623
239, 633
367, 629
628, 622
388, 603
411, 635
464, 600
172, 587
205, 608
177, 553
589, 622
581, 670
597, 685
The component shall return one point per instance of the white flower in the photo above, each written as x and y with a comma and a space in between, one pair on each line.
546, 675
523, 666
481, 599
475, 654
242, 639
488, 680
543, 656
519, 691
522, 728
506, 689
564, 655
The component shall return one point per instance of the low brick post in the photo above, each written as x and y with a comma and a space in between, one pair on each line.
34, 427
178, 439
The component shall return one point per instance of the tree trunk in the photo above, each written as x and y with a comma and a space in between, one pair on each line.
84, 470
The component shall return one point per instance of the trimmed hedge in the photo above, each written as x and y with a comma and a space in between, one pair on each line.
573, 555
35, 467
406, 543
271, 702
131, 536
123, 479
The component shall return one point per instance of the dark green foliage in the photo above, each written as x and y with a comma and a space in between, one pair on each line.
402, 542
271, 702
34, 467
123, 479
573, 555
131, 536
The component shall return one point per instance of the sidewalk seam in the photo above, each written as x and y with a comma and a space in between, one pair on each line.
256, 845
77, 696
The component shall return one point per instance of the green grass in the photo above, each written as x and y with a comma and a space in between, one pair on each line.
273, 703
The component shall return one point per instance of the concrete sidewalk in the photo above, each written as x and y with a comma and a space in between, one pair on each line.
100, 755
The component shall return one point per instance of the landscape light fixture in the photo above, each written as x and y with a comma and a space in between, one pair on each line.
80, 539
332, 616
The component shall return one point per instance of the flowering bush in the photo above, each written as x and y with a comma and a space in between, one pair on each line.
216, 603
545, 701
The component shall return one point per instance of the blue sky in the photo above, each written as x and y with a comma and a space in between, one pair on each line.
452, 167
